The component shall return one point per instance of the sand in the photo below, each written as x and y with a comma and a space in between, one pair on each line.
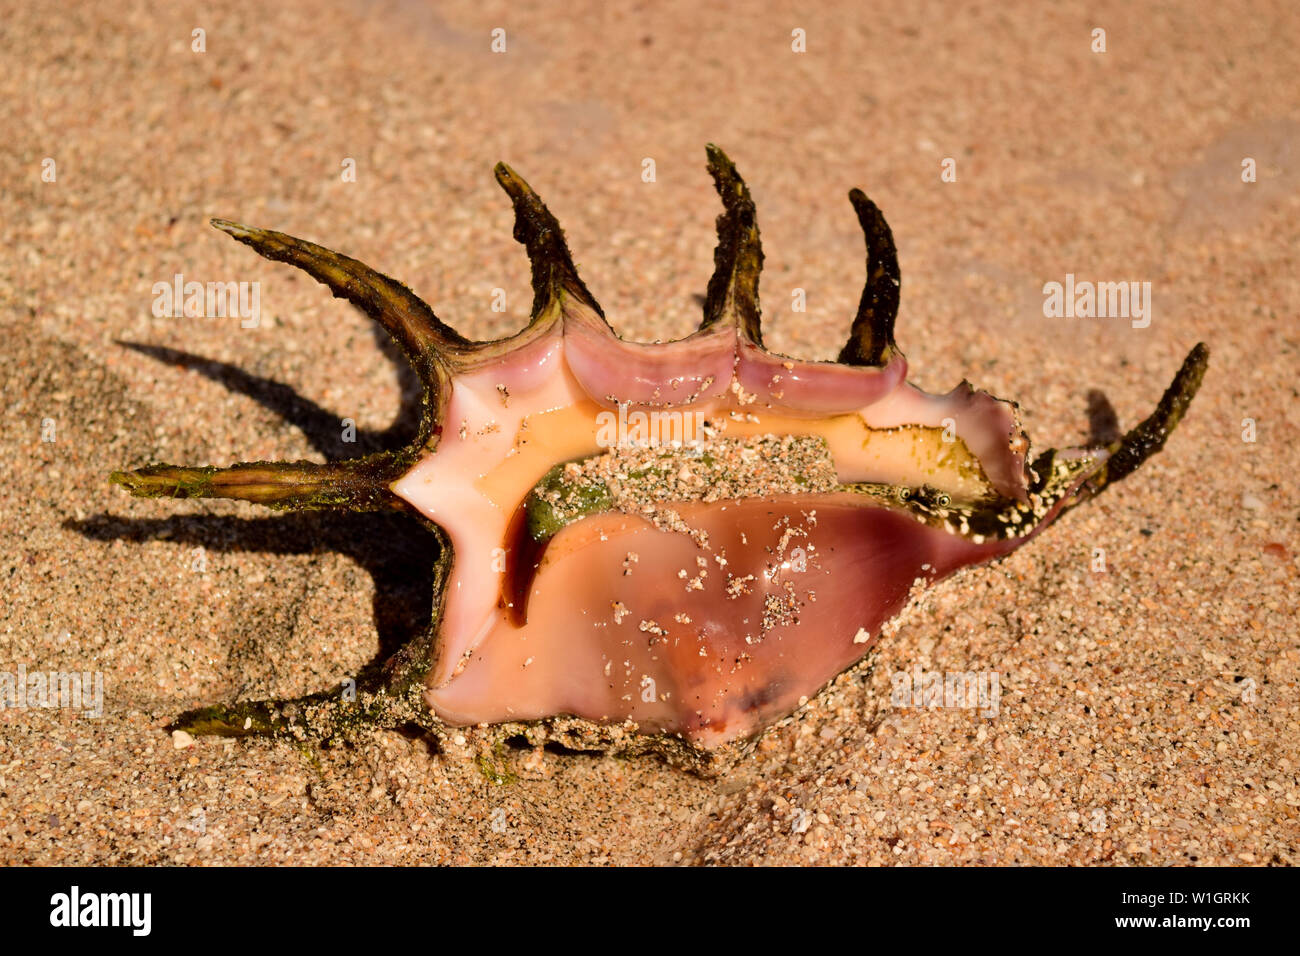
1149, 712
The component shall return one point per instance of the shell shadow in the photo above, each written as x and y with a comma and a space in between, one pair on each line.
397, 551
1103, 420
320, 426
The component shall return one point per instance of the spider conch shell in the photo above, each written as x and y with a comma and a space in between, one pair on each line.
661, 546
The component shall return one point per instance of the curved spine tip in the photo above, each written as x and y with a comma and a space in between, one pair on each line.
738, 257
871, 338
538, 231
1125, 455
403, 314
1148, 437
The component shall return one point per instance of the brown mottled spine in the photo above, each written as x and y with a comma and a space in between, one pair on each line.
360, 485
738, 258
871, 339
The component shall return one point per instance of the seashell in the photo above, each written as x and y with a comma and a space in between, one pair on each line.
659, 547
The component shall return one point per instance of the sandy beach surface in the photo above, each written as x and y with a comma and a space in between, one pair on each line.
1149, 712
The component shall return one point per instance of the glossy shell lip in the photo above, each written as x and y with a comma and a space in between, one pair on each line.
494, 420
704, 366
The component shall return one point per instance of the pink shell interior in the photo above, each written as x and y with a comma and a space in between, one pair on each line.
721, 675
